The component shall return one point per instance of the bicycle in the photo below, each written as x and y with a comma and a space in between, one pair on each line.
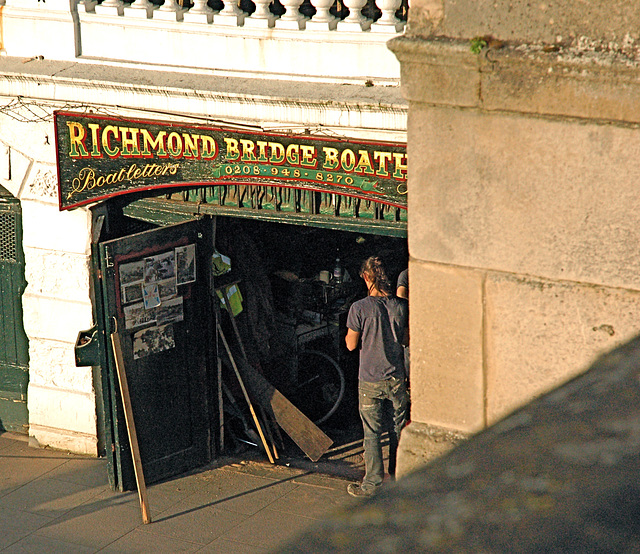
319, 386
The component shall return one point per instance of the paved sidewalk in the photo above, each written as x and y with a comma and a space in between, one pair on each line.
52, 501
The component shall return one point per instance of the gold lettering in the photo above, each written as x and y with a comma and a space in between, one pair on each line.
400, 168
308, 156
77, 135
293, 154
174, 145
149, 144
233, 153
106, 145
330, 158
190, 145
209, 147
262, 151
364, 163
87, 179
129, 141
95, 141
248, 147
277, 153
348, 159
383, 158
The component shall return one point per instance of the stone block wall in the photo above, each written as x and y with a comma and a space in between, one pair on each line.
56, 302
523, 205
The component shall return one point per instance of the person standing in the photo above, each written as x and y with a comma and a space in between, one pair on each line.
402, 289
378, 324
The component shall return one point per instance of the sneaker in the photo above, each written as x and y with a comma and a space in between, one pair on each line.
354, 489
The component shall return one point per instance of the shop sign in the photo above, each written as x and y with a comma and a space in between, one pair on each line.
100, 157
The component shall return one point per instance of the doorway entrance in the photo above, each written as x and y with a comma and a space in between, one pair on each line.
292, 323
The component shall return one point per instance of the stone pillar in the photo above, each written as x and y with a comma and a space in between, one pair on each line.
524, 158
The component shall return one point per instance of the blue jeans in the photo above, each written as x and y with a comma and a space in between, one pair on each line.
372, 401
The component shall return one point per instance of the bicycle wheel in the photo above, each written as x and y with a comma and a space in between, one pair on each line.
320, 386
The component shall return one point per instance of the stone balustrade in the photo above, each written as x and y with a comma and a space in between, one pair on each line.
325, 39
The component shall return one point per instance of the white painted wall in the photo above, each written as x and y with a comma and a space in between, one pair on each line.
56, 302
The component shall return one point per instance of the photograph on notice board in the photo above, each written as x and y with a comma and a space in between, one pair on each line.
151, 295
167, 289
186, 264
171, 310
132, 293
152, 341
159, 267
132, 272
136, 315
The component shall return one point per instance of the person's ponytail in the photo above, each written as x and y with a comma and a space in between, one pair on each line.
373, 268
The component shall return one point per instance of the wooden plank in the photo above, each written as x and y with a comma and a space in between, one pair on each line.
310, 438
306, 434
131, 428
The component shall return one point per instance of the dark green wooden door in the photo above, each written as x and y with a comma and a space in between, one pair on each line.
155, 291
14, 347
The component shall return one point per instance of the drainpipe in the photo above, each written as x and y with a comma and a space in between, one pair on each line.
77, 43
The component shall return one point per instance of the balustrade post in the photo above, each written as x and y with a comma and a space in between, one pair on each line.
110, 7
388, 22
231, 15
323, 19
200, 13
170, 11
262, 17
355, 21
140, 8
292, 18
89, 5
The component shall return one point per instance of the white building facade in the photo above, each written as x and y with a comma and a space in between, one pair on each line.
290, 73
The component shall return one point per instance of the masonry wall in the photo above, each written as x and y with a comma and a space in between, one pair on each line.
523, 205
56, 302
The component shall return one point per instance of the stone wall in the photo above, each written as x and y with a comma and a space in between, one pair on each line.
56, 302
523, 205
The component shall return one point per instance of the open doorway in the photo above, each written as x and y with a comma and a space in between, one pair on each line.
297, 284
292, 323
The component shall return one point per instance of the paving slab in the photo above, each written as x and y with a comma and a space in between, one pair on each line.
52, 501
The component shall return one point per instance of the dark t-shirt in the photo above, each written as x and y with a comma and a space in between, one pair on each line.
381, 322
403, 279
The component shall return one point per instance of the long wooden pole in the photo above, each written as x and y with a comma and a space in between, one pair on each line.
131, 427
246, 395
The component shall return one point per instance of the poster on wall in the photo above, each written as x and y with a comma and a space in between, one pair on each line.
160, 267
167, 289
132, 293
152, 341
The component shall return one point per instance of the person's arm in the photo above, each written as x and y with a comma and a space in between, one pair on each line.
352, 339
402, 292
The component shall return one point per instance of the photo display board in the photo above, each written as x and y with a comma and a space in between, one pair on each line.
149, 298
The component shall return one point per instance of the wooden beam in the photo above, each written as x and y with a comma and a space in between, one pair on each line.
131, 427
